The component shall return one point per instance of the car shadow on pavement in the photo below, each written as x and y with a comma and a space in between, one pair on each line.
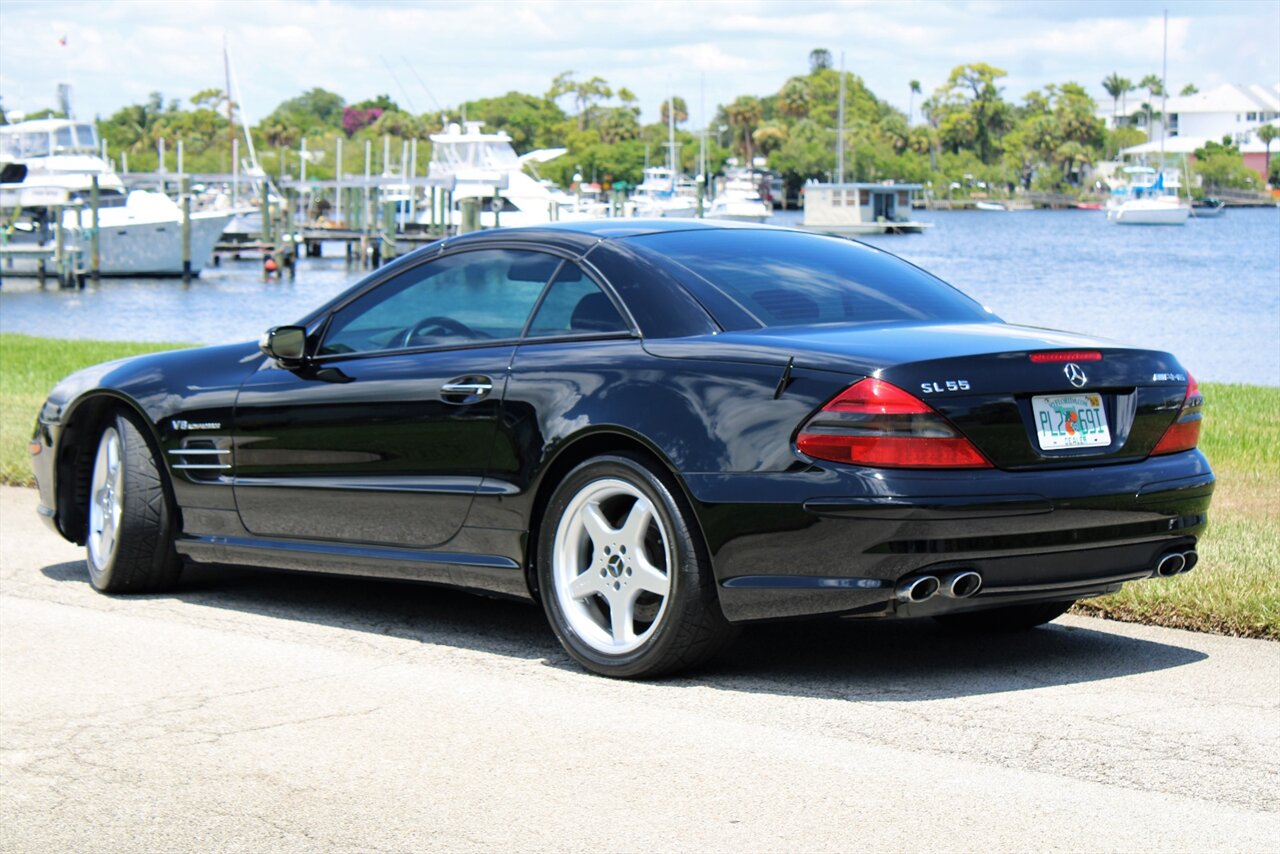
895, 661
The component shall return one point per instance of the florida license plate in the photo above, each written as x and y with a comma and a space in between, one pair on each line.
1070, 421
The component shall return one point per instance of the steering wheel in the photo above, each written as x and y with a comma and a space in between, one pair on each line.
445, 324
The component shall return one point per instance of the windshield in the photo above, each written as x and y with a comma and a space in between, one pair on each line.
749, 278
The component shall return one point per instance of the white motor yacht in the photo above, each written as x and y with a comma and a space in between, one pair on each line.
50, 163
739, 199
663, 193
485, 166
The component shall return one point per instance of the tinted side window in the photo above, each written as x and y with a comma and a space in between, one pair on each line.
575, 304
451, 301
754, 277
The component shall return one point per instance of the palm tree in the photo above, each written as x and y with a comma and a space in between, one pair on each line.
744, 114
793, 98
1266, 133
1115, 86
1189, 89
1154, 86
911, 105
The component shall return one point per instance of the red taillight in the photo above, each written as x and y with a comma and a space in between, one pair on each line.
1184, 433
875, 423
1067, 356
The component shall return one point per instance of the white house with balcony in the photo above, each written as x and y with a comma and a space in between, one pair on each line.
1228, 110
1232, 109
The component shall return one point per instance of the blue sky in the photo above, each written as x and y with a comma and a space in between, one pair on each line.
429, 55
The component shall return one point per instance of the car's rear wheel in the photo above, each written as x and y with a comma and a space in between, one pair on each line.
130, 535
625, 582
1013, 618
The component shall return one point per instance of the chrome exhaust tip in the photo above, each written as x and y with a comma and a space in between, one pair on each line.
961, 585
1190, 558
1171, 564
918, 589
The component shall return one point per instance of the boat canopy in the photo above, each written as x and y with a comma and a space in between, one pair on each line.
47, 137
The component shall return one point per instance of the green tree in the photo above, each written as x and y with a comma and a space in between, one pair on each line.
1116, 87
744, 116
1155, 87
819, 60
585, 93
911, 103
971, 111
1189, 89
793, 98
681, 109
1221, 166
768, 138
309, 113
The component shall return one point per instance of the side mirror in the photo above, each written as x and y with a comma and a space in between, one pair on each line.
285, 344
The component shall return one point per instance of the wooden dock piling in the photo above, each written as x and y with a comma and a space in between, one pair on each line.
95, 245
186, 223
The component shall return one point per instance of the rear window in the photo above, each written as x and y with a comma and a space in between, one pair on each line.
750, 278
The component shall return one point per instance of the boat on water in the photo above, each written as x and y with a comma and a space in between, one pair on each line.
1149, 199
49, 165
852, 209
664, 193
740, 198
991, 206
1207, 207
485, 167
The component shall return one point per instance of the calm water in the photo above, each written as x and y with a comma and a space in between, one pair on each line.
1209, 292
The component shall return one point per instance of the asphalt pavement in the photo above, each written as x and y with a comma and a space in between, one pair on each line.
262, 711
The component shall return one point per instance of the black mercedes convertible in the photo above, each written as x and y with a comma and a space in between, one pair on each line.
655, 429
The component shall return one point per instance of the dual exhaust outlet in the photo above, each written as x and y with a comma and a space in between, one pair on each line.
962, 585
1176, 562
957, 585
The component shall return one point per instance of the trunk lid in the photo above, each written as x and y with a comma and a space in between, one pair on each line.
982, 379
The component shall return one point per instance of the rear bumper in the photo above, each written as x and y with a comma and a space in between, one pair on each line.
840, 541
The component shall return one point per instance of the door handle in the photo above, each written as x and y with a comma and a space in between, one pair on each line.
472, 387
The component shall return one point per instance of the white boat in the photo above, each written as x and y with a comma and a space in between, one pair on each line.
1148, 199
1152, 197
663, 193
140, 232
990, 206
485, 167
739, 199
851, 209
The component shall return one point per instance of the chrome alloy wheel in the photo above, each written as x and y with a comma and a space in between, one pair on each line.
612, 561
106, 499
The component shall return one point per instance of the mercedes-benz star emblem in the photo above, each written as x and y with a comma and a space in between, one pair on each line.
1075, 374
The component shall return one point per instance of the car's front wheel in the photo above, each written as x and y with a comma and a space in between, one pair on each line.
624, 580
130, 536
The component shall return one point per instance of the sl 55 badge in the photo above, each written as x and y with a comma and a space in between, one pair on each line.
945, 385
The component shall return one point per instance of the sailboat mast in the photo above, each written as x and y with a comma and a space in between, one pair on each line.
671, 138
226, 70
1164, 89
840, 127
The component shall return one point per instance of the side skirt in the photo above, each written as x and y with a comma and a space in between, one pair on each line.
487, 573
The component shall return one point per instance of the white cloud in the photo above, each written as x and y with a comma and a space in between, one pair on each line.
118, 52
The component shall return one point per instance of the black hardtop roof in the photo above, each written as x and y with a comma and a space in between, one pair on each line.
582, 234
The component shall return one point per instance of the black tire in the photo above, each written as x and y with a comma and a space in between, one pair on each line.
1012, 618
140, 558
677, 631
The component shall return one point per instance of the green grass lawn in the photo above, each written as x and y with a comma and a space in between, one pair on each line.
1235, 589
